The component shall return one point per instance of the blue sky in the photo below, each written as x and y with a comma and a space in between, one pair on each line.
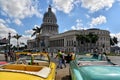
21, 16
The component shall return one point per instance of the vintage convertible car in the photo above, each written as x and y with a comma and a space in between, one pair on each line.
87, 68
35, 66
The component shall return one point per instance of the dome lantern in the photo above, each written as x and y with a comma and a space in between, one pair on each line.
49, 9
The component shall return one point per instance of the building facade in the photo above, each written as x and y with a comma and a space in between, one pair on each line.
52, 40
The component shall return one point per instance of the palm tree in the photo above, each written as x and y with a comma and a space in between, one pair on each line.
80, 38
17, 37
113, 41
92, 39
37, 30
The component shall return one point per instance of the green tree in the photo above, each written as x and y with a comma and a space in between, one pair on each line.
80, 38
113, 41
37, 30
17, 37
92, 38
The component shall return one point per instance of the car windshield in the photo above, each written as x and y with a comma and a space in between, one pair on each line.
40, 57
86, 58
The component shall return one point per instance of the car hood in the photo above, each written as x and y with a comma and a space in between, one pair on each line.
100, 72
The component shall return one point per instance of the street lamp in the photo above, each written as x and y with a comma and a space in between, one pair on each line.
9, 37
74, 46
103, 48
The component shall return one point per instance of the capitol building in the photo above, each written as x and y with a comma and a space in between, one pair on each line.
52, 40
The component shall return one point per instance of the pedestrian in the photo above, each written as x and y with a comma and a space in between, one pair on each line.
14, 56
11, 56
63, 59
72, 55
52, 54
68, 58
44, 51
102, 56
6, 56
59, 56
95, 55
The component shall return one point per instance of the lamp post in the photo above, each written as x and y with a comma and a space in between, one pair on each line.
9, 37
103, 48
74, 46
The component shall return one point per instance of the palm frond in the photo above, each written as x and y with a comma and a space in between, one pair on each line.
36, 30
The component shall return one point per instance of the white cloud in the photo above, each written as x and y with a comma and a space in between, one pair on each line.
20, 9
77, 2
18, 22
2, 21
54, 10
95, 5
87, 16
65, 30
8, 20
29, 32
78, 26
98, 20
4, 29
64, 5
22, 39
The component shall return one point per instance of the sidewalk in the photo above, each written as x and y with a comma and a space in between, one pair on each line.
63, 74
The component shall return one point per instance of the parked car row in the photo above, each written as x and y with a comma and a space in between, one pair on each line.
37, 66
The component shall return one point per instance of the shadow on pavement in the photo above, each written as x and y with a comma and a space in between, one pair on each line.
67, 77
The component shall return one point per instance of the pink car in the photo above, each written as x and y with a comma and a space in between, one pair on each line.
3, 62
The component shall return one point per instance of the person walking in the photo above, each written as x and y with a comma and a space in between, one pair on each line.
59, 56
102, 56
63, 59
68, 58
6, 56
52, 54
95, 55
72, 55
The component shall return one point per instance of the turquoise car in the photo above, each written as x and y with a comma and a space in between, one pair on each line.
86, 68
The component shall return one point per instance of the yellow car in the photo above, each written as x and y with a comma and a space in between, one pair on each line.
35, 66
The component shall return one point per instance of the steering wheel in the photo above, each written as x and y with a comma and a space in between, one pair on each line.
21, 61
